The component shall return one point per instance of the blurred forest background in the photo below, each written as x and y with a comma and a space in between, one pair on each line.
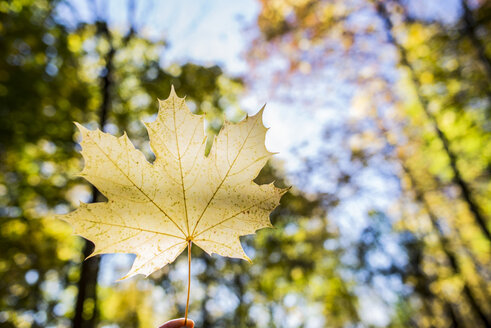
381, 111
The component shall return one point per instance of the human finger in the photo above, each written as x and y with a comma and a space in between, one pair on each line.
178, 323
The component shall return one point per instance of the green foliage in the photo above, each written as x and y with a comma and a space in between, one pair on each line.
433, 119
52, 75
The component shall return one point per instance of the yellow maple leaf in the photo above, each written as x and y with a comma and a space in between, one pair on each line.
155, 209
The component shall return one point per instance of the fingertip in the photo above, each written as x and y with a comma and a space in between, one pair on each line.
178, 323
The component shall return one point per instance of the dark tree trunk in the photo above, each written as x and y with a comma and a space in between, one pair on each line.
422, 286
451, 257
470, 27
465, 189
86, 317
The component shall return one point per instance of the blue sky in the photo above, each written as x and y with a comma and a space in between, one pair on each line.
204, 32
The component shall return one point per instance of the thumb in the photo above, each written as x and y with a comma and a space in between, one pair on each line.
178, 323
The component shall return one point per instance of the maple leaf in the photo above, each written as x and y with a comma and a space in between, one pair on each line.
155, 209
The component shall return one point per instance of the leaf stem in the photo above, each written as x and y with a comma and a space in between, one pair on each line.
189, 282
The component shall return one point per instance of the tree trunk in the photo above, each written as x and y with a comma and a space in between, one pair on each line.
470, 27
445, 246
451, 257
465, 189
86, 313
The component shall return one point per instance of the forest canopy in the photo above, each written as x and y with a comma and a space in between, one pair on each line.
379, 110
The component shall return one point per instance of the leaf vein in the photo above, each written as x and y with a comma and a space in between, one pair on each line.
127, 177
233, 216
95, 222
226, 175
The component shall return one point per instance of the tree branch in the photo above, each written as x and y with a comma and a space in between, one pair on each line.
466, 191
